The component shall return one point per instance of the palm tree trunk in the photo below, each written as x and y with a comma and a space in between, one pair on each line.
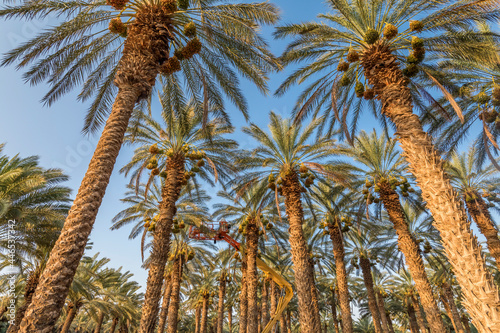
100, 319
413, 320
252, 278
341, 274
72, 311
389, 321
314, 292
165, 303
478, 210
113, 325
61, 266
364, 263
413, 258
259, 321
448, 295
161, 242
274, 299
243, 298
289, 321
173, 308
220, 310
197, 318
333, 304
29, 291
230, 318
283, 324
381, 311
204, 315
419, 315
304, 280
481, 297
265, 304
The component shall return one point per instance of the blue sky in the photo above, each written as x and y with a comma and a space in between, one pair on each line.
54, 133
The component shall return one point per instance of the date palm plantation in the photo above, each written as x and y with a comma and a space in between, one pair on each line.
206, 41
387, 51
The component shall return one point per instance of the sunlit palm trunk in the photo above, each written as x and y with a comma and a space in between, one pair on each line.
341, 274
419, 315
161, 242
230, 318
30, 288
204, 315
252, 278
333, 304
481, 297
60, 269
265, 304
220, 308
243, 298
197, 318
304, 280
113, 325
413, 320
173, 309
413, 258
72, 312
165, 303
98, 326
480, 214
366, 269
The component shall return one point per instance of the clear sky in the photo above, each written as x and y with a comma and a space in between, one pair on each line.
54, 133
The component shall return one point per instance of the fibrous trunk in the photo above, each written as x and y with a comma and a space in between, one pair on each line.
303, 270
341, 274
100, 319
252, 278
197, 318
146, 48
29, 291
220, 310
167, 285
265, 304
161, 242
478, 210
413, 320
481, 297
72, 311
383, 314
243, 298
333, 304
173, 308
113, 325
364, 263
455, 316
230, 318
204, 315
413, 257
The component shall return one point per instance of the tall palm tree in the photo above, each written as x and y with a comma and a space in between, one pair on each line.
474, 182
374, 37
181, 143
158, 35
385, 172
288, 161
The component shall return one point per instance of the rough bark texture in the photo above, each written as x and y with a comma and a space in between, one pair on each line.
165, 303
72, 311
204, 315
243, 298
282, 328
418, 314
481, 297
146, 48
413, 258
304, 281
197, 319
364, 263
252, 278
274, 300
341, 274
29, 291
113, 325
161, 242
98, 325
381, 311
413, 320
265, 303
480, 214
289, 321
314, 292
448, 294
230, 318
175, 296
333, 304
220, 308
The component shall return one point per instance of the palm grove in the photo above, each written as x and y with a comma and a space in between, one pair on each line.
373, 237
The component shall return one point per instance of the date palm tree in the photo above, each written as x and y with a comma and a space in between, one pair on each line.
358, 52
477, 186
288, 161
176, 150
158, 37
385, 171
